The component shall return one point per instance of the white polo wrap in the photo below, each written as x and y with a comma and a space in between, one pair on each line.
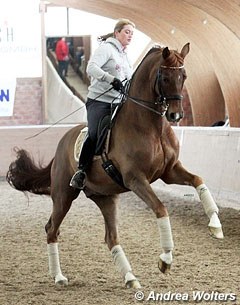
120, 260
53, 259
207, 200
165, 231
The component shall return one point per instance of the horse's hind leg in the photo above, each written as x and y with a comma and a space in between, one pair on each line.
179, 175
108, 207
61, 205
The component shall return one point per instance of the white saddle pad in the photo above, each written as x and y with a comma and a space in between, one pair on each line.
79, 143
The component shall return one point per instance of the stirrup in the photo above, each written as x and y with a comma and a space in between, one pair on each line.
77, 180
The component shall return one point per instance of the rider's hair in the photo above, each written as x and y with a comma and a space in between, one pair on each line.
118, 27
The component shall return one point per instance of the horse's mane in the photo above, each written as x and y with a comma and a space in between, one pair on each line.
173, 60
152, 50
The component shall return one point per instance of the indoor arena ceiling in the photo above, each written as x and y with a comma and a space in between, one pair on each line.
213, 29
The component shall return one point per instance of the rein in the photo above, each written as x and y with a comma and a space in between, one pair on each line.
140, 103
161, 99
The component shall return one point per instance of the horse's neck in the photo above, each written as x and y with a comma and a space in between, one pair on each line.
134, 116
139, 108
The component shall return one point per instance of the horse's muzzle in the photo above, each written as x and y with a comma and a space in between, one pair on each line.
175, 111
174, 116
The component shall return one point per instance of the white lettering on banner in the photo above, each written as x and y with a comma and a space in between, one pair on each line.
7, 96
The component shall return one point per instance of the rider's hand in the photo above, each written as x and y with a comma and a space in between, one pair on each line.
117, 84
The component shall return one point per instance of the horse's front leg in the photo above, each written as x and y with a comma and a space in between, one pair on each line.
179, 175
108, 207
141, 187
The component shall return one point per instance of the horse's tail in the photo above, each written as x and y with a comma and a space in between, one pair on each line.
24, 175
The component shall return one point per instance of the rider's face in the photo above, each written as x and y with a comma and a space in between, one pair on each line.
125, 35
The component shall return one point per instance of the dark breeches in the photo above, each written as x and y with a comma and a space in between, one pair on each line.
95, 112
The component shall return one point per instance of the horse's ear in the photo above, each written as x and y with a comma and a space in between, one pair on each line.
165, 53
185, 50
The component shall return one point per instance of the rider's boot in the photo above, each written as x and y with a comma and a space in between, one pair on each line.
86, 156
78, 179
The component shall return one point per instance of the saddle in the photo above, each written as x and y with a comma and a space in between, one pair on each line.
102, 146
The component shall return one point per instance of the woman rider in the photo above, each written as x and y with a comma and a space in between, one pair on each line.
107, 67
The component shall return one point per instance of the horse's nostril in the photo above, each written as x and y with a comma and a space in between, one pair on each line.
175, 116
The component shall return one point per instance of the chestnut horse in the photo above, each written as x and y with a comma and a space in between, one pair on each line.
143, 148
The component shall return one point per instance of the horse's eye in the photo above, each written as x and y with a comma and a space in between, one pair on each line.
165, 80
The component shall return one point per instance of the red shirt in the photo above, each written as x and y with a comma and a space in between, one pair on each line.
61, 50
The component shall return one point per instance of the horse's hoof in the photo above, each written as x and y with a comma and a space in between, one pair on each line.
133, 284
163, 267
131, 281
165, 261
216, 232
61, 280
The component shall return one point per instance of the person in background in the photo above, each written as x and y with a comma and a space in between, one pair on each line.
62, 54
79, 55
107, 67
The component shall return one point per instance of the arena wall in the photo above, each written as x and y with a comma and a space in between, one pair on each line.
213, 153
41, 147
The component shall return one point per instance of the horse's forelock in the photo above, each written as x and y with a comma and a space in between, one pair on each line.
174, 59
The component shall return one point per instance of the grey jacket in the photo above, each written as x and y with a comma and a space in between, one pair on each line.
108, 61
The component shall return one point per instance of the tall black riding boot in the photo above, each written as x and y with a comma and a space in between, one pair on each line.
85, 160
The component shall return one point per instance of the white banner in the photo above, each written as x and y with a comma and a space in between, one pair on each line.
20, 38
7, 95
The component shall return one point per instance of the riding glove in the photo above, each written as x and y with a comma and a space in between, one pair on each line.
117, 84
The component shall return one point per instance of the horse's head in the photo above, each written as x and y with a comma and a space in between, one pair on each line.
169, 83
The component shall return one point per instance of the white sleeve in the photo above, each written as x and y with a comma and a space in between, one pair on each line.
98, 59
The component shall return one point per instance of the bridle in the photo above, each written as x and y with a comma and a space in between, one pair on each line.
158, 82
162, 99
